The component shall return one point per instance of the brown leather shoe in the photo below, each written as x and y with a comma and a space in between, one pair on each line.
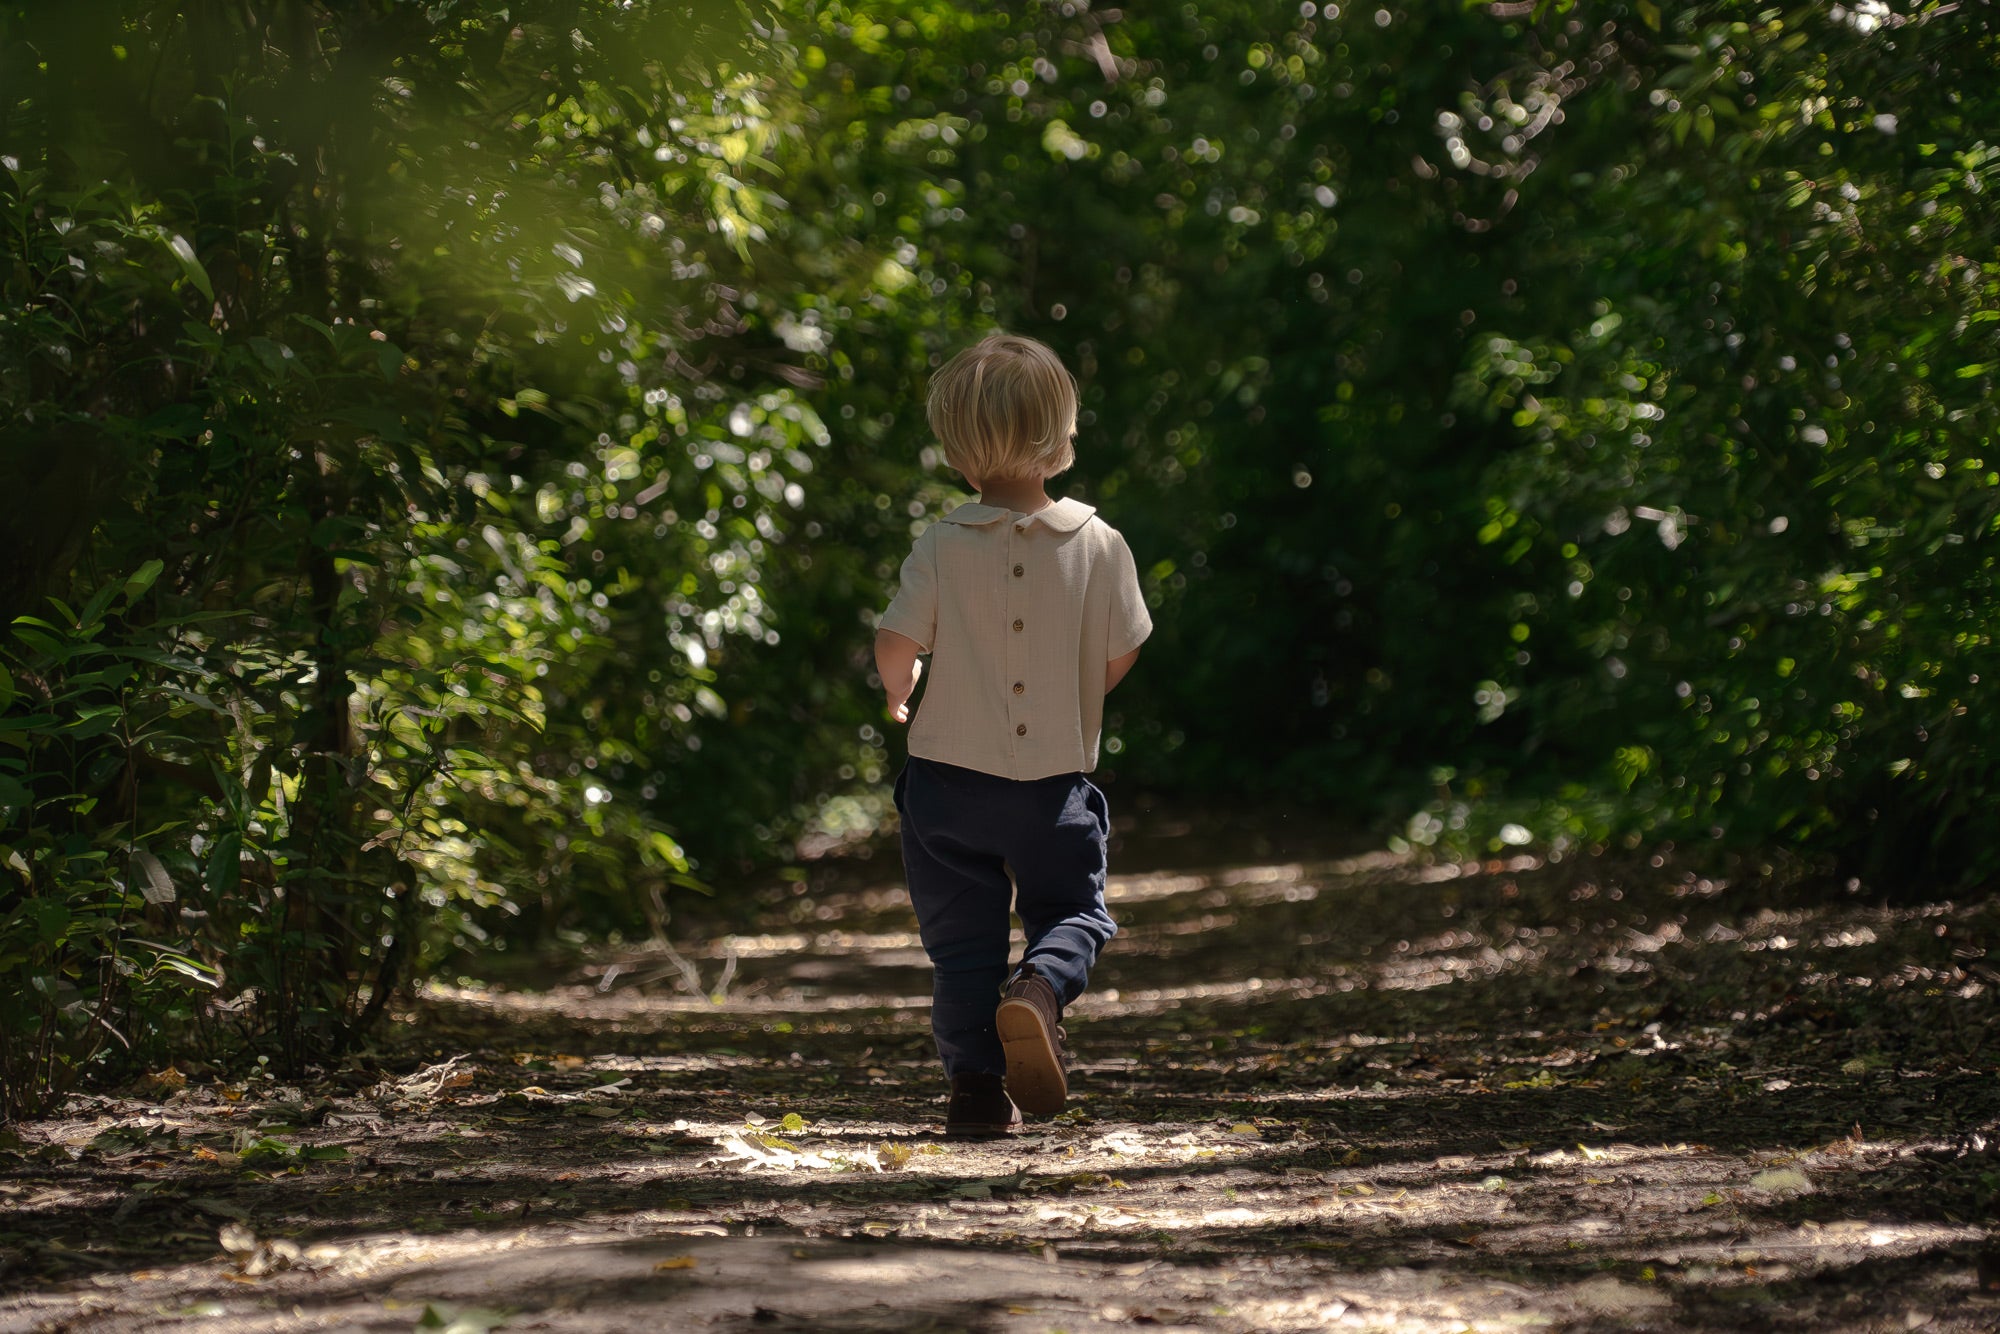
980, 1108
1032, 1036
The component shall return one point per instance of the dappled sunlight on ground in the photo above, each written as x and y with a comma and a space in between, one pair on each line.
1308, 1094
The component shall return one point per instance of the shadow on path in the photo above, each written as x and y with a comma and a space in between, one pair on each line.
1318, 1093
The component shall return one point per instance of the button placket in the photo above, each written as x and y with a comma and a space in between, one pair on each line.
1017, 637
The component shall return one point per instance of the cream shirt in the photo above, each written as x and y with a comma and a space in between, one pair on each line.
1020, 613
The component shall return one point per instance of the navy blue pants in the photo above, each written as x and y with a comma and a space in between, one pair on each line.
963, 831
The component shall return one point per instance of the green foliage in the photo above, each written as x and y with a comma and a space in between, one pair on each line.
94, 878
1749, 513
1589, 405
315, 317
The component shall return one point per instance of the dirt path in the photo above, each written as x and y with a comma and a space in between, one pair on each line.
1346, 1093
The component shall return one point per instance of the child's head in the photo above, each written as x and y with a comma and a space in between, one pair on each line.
1005, 408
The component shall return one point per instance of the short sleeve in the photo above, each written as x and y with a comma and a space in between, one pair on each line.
1130, 621
913, 612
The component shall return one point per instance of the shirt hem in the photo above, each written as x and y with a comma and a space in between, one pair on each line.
919, 752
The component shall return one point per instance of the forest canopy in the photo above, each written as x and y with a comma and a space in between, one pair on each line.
455, 453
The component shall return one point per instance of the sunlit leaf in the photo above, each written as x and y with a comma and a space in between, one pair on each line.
143, 579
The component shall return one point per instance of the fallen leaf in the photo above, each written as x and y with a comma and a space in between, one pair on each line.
449, 1319
1606, 1295
1782, 1181
221, 1208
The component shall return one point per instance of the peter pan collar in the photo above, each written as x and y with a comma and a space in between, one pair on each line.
1065, 516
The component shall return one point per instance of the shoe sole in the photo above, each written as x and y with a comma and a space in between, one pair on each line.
1035, 1078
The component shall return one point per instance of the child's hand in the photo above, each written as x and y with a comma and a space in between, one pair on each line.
900, 691
897, 662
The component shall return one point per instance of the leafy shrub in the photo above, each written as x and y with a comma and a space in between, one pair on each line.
94, 920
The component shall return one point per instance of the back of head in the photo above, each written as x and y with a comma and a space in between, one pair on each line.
1005, 408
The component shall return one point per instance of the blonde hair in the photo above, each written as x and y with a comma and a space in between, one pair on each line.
1004, 408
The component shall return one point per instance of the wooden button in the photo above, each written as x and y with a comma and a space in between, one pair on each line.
1021, 730
1019, 687
1018, 571
1017, 625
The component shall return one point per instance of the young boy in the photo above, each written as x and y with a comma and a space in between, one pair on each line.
1031, 612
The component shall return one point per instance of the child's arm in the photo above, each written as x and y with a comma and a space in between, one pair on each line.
896, 660
1114, 671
